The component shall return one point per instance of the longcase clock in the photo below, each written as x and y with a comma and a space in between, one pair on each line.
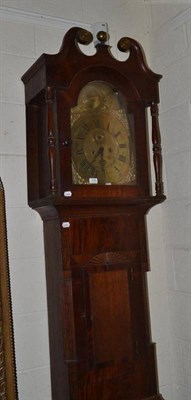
89, 179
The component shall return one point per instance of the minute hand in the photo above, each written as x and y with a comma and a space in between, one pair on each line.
99, 152
102, 161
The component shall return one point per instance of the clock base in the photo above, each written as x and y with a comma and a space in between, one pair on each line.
101, 349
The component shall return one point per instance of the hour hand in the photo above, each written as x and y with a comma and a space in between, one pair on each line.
102, 161
96, 155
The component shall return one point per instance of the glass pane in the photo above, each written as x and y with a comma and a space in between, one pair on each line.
102, 146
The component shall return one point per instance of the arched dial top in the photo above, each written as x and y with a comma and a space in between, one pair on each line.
102, 142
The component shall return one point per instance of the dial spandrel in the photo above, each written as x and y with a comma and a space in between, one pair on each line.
102, 149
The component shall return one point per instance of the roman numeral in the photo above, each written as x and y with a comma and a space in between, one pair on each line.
85, 164
121, 158
117, 134
80, 137
85, 127
122, 145
79, 152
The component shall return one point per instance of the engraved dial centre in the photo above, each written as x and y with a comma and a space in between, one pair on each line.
100, 148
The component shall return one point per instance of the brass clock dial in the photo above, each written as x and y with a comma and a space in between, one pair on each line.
101, 141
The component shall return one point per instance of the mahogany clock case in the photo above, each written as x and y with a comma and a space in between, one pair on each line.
52, 87
95, 234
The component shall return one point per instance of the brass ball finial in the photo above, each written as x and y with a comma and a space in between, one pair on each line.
102, 36
84, 37
124, 44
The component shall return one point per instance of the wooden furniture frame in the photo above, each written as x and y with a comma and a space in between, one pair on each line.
8, 385
95, 235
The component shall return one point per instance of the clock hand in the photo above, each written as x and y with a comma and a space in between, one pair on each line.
97, 154
102, 161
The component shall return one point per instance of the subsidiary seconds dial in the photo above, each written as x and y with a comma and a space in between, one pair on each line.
101, 149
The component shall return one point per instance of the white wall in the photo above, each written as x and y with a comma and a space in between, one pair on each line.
24, 36
170, 47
